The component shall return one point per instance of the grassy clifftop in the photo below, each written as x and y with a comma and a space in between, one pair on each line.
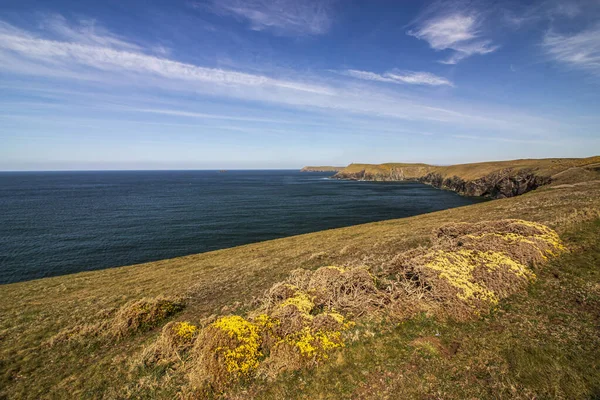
495, 179
325, 168
545, 167
539, 344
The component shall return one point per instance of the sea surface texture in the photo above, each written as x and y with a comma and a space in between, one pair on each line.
54, 223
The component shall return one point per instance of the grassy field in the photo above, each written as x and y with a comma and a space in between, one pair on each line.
543, 344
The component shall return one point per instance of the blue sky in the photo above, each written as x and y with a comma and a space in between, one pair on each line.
203, 84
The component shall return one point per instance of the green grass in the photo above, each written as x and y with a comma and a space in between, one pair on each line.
32, 312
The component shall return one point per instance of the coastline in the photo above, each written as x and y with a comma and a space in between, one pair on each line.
494, 180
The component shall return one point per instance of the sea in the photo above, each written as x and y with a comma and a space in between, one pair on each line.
56, 223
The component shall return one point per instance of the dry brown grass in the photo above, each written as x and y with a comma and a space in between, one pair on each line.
143, 314
133, 317
176, 338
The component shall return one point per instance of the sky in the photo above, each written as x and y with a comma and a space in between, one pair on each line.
252, 84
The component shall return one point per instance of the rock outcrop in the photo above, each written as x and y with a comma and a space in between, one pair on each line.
498, 185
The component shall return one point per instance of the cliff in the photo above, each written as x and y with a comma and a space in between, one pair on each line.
489, 179
325, 168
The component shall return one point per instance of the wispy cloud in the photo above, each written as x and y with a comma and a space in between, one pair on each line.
26, 54
506, 139
579, 50
453, 29
71, 56
399, 77
288, 17
84, 31
179, 113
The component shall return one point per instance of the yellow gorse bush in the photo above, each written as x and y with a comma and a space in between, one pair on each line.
185, 330
243, 358
265, 322
301, 301
457, 267
315, 345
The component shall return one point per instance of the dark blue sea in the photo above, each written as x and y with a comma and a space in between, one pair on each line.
55, 223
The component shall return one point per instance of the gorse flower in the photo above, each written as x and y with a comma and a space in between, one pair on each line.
243, 356
185, 330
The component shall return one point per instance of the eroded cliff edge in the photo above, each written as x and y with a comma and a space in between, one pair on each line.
490, 179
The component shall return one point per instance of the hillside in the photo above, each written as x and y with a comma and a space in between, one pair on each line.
326, 168
105, 334
490, 179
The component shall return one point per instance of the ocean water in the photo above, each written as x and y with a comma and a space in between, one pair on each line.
54, 223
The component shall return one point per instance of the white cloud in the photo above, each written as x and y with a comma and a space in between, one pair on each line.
580, 50
400, 77
455, 30
290, 17
73, 55
507, 139
86, 31
26, 54
179, 113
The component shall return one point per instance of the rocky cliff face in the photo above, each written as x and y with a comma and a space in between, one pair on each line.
393, 174
500, 184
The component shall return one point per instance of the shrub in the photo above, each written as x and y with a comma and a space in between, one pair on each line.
175, 339
142, 314
226, 350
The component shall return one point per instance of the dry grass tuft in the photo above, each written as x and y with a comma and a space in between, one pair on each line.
352, 291
142, 314
117, 323
176, 338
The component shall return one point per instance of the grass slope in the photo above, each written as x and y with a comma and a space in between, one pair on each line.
545, 340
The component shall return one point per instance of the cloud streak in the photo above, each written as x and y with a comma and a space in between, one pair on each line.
579, 50
26, 54
456, 30
71, 55
286, 17
400, 77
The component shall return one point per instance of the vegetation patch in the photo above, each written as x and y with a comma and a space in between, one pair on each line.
135, 316
305, 318
176, 338
300, 322
143, 314
471, 267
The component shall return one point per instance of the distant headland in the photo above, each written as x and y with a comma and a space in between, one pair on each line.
326, 168
495, 179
